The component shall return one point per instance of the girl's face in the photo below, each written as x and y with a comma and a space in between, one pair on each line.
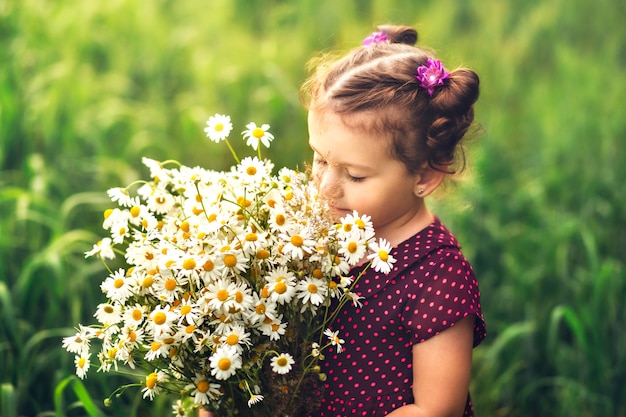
354, 171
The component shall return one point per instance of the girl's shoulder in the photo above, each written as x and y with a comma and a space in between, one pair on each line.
434, 238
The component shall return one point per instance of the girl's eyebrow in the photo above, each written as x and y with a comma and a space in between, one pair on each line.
344, 164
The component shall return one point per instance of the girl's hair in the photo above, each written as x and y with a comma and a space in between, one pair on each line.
375, 87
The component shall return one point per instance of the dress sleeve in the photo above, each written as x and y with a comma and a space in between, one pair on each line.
441, 291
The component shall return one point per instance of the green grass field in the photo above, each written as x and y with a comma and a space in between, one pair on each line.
87, 88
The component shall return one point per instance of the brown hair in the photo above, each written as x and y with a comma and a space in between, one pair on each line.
379, 79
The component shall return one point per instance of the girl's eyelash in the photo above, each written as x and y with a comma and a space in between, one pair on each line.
355, 179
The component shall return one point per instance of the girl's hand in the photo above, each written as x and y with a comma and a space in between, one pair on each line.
204, 413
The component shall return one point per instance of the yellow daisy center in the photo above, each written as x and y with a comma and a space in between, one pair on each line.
147, 282
258, 133
189, 264
312, 288
218, 128
151, 380
170, 284
282, 361
137, 314
222, 295
262, 254
352, 247
251, 170
383, 255
203, 386
280, 287
82, 362
297, 241
230, 260
280, 219
159, 318
224, 364
184, 310
232, 339
118, 283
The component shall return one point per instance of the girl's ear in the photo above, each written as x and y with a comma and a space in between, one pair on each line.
428, 181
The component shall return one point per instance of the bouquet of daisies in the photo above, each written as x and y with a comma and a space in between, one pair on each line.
230, 282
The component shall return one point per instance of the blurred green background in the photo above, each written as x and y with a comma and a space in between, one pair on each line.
89, 87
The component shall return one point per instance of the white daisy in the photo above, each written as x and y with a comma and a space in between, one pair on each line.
82, 364
257, 134
224, 362
298, 243
218, 127
152, 384
116, 287
274, 328
281, 285
353, 248
121, 195
109, 313
203, 391
236, 337
79, 343
381, 259
312, 290
334, 339
104, 248
281, 364
160, 320
252, 170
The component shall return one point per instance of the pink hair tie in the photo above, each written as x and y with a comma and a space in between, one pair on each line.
376, 37
431, 75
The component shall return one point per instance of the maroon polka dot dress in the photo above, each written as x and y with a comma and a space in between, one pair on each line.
431, 287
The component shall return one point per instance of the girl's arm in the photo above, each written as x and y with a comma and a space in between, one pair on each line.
442, 367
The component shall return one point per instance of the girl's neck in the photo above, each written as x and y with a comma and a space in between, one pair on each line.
404, 229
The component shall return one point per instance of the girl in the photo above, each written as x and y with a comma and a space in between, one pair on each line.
386, 124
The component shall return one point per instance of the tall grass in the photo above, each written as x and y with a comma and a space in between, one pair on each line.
88, 88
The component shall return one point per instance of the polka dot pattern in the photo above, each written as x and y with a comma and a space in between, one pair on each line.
431, 287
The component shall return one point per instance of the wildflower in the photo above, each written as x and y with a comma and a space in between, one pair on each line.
281, 285
152, 384
251, 170
224, 362
353, 248
122, 196
218, 127
298, 243
282, 363
203, 391
334, 339
381, 259
108, 313
82, 364
160, 320
103, 248
116, 286
312, 290
257, 134
78, 343
254, 399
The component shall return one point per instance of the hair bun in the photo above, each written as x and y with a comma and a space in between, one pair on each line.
399, 34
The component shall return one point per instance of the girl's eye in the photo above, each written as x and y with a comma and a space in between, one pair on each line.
355, 179
319, 161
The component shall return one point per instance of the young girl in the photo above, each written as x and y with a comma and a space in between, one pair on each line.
386, 124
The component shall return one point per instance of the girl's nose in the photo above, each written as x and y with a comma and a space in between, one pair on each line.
329, 184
